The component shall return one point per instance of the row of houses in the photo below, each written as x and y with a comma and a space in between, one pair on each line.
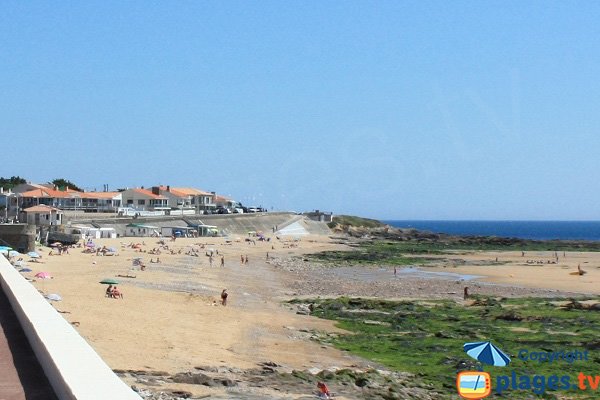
158, 199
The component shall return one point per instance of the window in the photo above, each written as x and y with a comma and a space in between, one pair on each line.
141, 202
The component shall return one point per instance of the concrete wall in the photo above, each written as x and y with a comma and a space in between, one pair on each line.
232, 224
74, 369
20, 237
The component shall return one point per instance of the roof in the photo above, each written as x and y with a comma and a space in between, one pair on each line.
148, 193
42, 209
184, 191
48, 193
191, 191
141, 226
100, 195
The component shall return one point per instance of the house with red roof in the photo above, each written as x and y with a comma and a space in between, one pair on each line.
186, 198
43, 215
144, 200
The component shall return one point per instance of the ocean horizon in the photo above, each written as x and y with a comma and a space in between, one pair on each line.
535, 230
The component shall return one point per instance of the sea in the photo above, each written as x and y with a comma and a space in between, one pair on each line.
537, 230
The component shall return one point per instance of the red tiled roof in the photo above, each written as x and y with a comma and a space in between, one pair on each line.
148, 193
189, 192
42, 208
49, 193
99, 195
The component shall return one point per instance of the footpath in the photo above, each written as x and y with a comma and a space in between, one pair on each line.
21, 375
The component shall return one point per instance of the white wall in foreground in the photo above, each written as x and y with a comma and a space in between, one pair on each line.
74, 369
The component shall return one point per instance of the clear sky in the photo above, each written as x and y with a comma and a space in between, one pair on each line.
393, 110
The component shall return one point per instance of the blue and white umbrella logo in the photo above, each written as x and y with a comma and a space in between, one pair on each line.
487, 353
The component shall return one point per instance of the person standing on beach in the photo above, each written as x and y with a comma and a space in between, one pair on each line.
224, 297
241, 259
222, 261
246, 261
395, 272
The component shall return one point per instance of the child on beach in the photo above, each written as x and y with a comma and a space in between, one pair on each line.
224, 297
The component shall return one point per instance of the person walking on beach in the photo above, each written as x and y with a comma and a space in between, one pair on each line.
466, 293
222, 261
241, 259
246, 261
267, 256
395, 272
224, 297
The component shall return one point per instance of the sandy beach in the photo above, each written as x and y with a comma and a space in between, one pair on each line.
170, 320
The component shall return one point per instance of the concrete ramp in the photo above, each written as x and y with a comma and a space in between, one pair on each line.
296, 228
301, 226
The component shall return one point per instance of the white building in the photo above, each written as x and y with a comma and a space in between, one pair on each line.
43, 215
144, 200
141, 230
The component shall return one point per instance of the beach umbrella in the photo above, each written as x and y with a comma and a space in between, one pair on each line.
90, 244
13, 253
54, 297
25, 270
2, 248
109, 281
56, 244
487, 353
33, 254
43, 275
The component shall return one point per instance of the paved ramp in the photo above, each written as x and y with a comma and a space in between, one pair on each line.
21, 376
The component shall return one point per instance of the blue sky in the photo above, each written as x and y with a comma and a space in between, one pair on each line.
408, 110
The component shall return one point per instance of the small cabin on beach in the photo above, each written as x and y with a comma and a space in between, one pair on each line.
178, 231
141, 230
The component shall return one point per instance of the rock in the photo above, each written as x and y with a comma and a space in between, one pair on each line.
194, 379
182, 394
270, 364
228, 382
361, 381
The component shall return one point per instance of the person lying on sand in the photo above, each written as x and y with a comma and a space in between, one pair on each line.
579, 271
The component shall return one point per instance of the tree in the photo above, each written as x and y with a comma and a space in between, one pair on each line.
62, 184
9, 183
